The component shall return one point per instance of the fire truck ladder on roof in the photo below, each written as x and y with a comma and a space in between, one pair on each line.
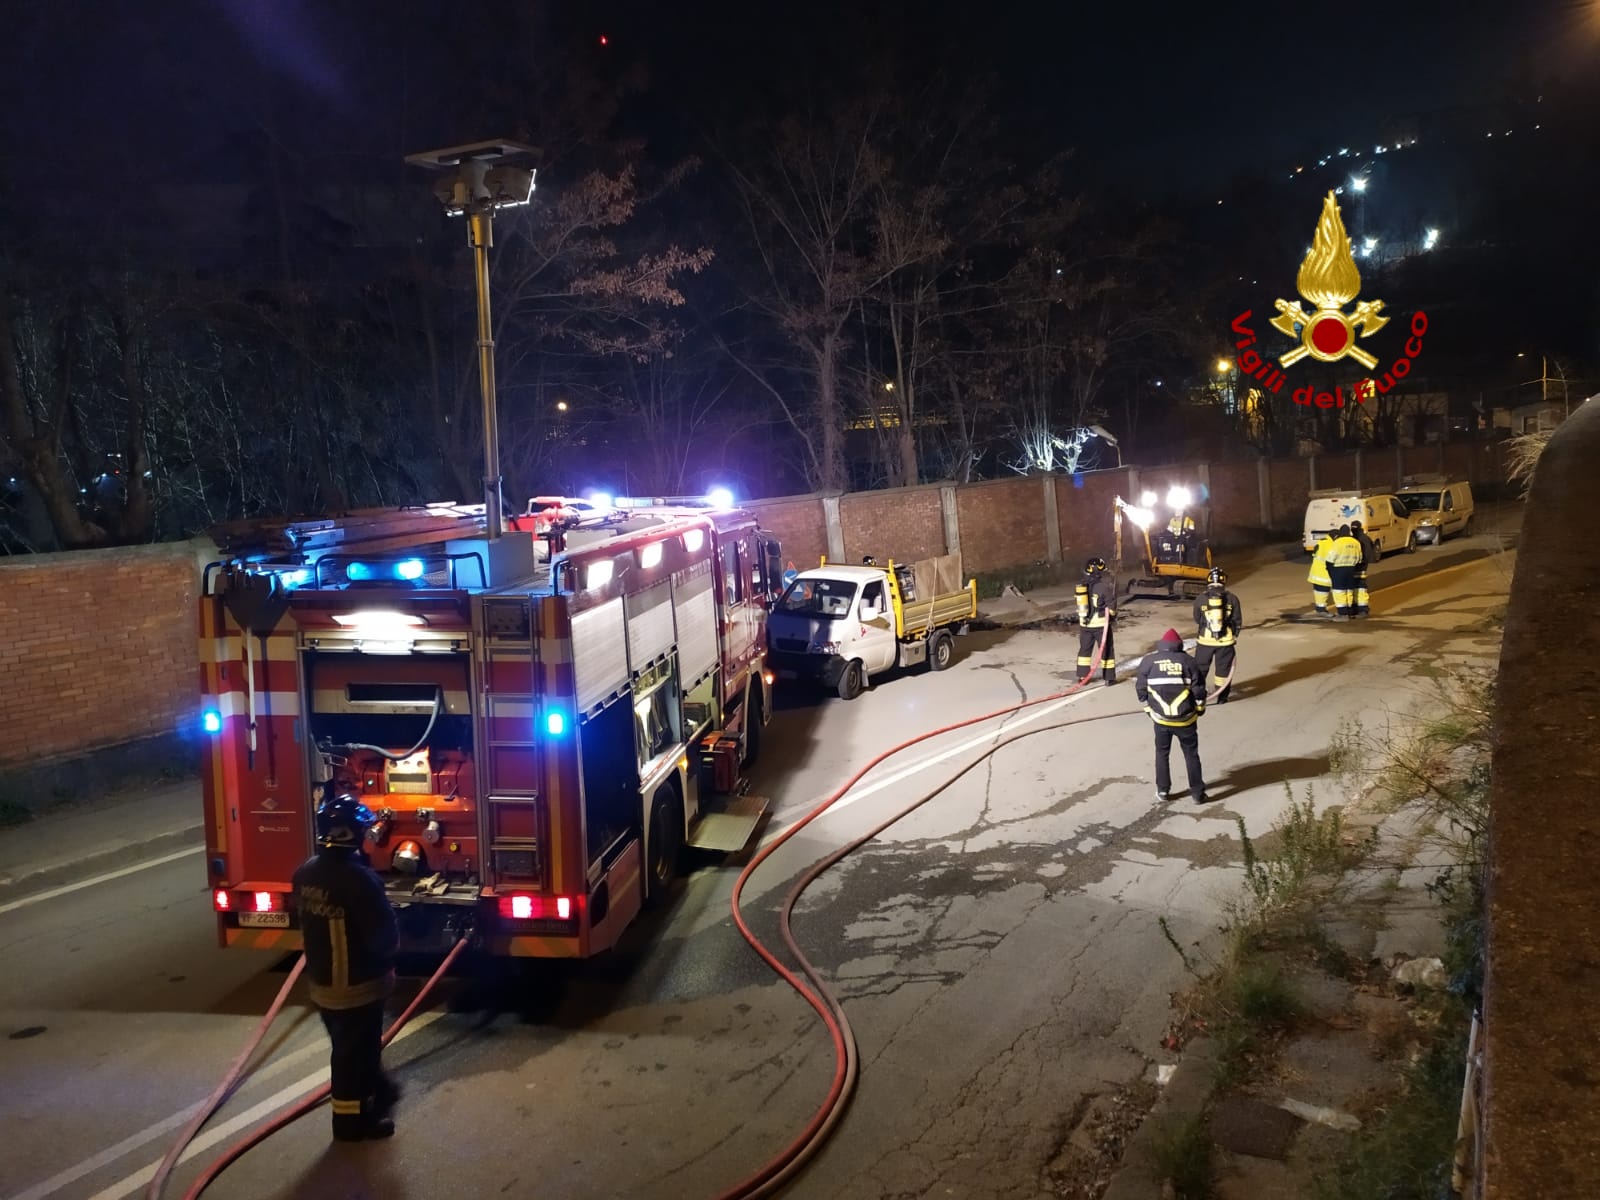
364, 531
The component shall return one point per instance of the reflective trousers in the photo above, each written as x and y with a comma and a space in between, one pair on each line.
1088, 642
1223, 656
1188, 738
1344, 588
1363, 598
361, 1092
1320, 597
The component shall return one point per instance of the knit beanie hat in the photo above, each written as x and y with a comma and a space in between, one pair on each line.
1171, 638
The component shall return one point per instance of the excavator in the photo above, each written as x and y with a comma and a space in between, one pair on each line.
1174, 562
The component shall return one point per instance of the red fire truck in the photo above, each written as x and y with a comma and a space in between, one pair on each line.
540, 733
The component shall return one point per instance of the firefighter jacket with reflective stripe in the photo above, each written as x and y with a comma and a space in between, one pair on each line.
1369, 552
1346, 552
1217, 613
1097, 600
1178, 526
1171, 688
1318, 575
349, 929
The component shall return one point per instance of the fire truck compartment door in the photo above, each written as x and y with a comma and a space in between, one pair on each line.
649, 624
599, 653
697, 624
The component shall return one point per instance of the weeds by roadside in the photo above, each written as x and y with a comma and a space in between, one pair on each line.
1182, 1155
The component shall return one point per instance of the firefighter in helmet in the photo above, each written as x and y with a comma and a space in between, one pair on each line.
1219, 617
1369, 555
1097, 608
351, 938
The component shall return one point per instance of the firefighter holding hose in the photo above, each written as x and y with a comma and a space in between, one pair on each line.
1097, 608
351, 937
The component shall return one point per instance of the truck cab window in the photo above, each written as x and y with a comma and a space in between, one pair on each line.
872, 598
757, 578
732, 580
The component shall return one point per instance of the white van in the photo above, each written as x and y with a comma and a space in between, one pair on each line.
1386, 521
1439, 506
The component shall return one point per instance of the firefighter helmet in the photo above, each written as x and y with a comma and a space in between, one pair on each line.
343, 822
1218, 577
1094, 566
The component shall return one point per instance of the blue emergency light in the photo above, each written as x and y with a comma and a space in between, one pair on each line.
211, 721
555, 723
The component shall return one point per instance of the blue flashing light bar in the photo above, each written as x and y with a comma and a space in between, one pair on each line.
411, 568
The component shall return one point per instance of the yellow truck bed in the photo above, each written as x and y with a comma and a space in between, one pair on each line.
929, 594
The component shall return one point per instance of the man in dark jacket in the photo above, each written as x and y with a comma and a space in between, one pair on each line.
1097, 609
1173, 692
351, 938
1369, 555
1219, 617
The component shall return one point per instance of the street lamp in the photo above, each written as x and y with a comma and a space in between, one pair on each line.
475, 190
1223, 366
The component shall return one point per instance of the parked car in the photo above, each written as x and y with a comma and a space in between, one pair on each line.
1387, 521
1439, 506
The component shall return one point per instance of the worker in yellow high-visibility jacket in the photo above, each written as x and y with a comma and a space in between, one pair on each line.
1321, 585
1344, 564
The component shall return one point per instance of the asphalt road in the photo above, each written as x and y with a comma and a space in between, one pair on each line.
998, 951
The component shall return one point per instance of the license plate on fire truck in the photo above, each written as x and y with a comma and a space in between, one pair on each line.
264, 920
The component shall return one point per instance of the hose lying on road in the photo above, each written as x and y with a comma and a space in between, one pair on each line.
781, 1168
213, 1101
256, 1136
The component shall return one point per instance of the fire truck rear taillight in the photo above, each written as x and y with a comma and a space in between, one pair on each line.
263, 901
536, 908
222, 901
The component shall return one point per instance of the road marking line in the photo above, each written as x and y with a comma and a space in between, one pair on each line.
39, 897
863, 790
133, 1141
280, 1099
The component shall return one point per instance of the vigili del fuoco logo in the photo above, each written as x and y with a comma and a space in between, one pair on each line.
1328, 280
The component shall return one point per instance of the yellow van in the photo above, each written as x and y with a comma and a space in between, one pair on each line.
1439, 506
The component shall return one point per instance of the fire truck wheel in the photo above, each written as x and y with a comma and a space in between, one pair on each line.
850, 682
943, 650
666, 844
752, 729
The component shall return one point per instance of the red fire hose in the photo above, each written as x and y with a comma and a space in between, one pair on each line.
256, 1136
780, 1169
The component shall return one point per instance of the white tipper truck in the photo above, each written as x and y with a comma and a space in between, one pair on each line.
840, 625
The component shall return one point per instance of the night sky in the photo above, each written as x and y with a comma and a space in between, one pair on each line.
1175, 95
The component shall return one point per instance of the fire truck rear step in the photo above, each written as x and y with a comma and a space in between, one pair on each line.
727, 824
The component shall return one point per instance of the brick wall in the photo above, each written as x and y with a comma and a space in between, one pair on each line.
1339, 471
1083, 509
99, 648
800, 526
1235, 500
1002, 523
905, 524
1289, 480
